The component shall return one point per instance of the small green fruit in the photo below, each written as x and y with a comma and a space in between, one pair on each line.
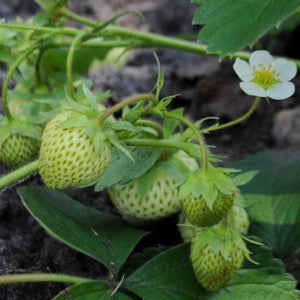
17, 150
68, 157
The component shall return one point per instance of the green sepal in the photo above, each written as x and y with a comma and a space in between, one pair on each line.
160, 78
170, 125
208, 184
145, 181
244, 178
221, 240
112, 137
77, 120
122, 125
97, 135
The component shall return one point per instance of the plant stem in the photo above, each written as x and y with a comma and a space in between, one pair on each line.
153, 125
197, 134
70, 58
124, 103
41, 277
241, 119
156, 40
157, 143
57, 31
19, 174
7, 80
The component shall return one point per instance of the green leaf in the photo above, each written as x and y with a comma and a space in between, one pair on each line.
75, 121
244, 178
265, 281
145, 181
168, 275
93, 290
275, 192
122, 169
230, 25
85, 229
170, 124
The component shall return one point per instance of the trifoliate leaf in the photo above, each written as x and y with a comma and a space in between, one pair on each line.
230, 26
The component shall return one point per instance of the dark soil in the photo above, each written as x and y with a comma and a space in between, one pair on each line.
206, 88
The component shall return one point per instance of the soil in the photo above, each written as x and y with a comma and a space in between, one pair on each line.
206, 87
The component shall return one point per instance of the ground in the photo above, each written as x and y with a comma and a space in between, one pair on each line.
206, 86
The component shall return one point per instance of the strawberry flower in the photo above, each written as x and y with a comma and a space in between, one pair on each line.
265, 77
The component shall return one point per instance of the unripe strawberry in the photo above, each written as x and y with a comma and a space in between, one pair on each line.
68, 157
17, 150
216, 256
198, 212
160, 201
237, 219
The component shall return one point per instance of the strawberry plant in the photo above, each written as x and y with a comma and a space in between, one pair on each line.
239, 223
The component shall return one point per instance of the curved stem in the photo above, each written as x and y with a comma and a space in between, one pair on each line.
241, 119
156, 40
70, 58
124, 103
153, 125
7, 80
157, 143
197, 134
19, 174
41, 277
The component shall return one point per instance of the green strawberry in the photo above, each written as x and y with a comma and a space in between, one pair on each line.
200, 214
237, 219
17, 150
216, 254
160, 201
207, 196
68, 157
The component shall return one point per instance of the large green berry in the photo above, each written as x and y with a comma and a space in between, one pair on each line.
200, 214
160, 201
213, 268
17, 150
68, 157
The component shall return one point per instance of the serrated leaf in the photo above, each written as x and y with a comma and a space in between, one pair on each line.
244, 178
85, 229
92, 290
168, 275
122, 169
90, 96
122, 147
230, 26
275, 192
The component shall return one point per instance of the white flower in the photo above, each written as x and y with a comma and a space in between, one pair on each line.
265, 77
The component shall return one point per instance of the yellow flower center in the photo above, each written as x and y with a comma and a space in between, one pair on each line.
265, 77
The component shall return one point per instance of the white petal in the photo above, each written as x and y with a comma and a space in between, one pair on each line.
286, 69
243, 70
260, 57
253, 89
281, 90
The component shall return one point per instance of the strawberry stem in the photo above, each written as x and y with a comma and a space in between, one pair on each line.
70, 58
241, 119
197, 134
153, 125
124, 103
19, 174
9, 75
41, 277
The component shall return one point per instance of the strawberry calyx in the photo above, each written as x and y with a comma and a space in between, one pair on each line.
208, 185
221, 240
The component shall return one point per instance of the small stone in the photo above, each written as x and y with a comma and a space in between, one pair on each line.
286, 129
